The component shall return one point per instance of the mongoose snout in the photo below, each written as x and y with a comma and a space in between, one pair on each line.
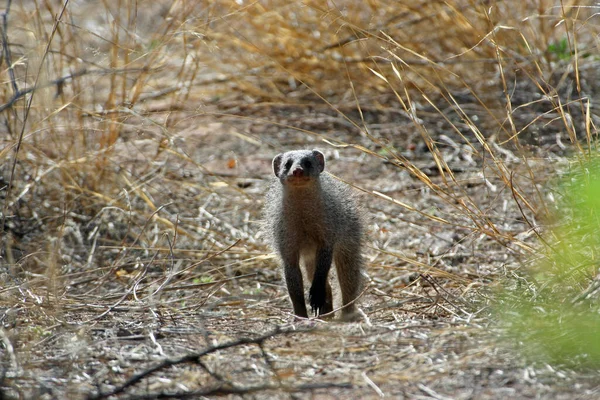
312, 219
298, 172
298, 177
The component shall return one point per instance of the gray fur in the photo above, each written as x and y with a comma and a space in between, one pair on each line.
316, 223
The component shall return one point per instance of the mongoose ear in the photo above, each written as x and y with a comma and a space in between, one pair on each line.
277, 164
320, 160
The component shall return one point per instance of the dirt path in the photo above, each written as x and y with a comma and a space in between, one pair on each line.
427, 331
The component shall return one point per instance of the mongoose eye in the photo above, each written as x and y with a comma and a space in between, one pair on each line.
288, 165
306, 164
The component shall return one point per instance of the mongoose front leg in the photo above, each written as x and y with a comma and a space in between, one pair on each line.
321, 300
293, 280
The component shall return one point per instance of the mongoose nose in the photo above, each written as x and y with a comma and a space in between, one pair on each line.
298, 172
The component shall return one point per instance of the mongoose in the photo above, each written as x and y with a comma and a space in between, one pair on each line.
312, 218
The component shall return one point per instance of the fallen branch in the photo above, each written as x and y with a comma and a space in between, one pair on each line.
193, 357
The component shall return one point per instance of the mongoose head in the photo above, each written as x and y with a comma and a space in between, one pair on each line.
298, 168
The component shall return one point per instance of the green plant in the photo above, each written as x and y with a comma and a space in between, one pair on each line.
556, 317
560, 49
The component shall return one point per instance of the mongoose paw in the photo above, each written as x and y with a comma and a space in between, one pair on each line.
353, 316
321, 302
318, 299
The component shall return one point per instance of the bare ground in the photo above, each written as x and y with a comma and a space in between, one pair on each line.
427, 331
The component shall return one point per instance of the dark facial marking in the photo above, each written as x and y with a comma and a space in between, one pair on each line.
288, 165
306, 164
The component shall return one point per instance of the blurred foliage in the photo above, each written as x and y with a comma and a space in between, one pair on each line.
553, 309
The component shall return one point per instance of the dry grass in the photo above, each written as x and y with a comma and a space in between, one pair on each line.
136, 140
